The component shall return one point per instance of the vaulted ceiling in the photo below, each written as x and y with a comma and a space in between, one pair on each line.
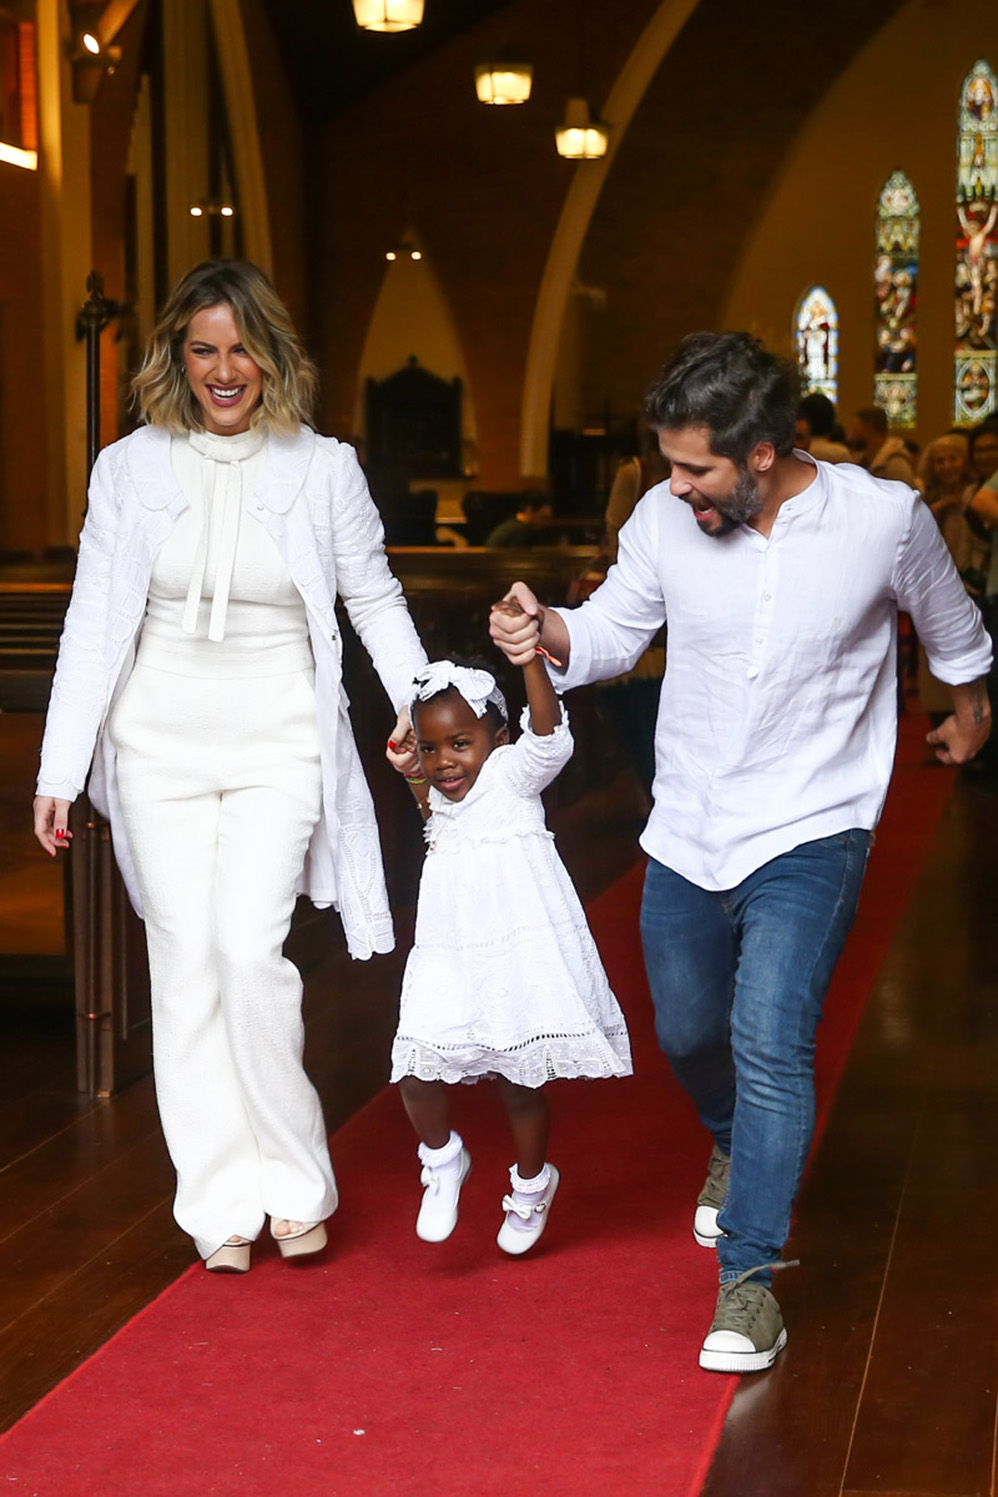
331, 61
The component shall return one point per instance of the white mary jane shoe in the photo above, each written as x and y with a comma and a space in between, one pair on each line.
524, 1224
438, 1211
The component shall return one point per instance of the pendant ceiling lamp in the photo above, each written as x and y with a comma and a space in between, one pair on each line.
505, 79
581, 138
388, 15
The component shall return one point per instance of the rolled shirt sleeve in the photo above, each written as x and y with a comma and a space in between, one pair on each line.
927, 585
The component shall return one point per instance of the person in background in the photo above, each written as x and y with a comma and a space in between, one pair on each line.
945, 473
983, 509
984, 451
881, 455
200, 668
630, 701
635, 475
533, 516
818, 431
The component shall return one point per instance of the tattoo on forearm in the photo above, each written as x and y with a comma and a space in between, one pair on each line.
979, 701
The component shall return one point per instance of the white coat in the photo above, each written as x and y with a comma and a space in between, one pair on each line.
314, 501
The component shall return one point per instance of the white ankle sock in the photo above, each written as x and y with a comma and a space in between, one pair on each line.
446, 1161
531, 1187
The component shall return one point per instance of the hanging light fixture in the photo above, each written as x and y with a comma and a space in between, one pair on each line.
403, 251
505, 79
581, 138
212, 208
388, 15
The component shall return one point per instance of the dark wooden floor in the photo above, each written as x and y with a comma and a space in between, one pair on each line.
889, 1383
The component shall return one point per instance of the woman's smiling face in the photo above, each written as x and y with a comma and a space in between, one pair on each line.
226, 382
453, 743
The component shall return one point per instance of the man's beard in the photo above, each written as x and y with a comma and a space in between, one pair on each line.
740, 506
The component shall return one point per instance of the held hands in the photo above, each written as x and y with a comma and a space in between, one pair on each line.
515, 625
401, 749
52, 823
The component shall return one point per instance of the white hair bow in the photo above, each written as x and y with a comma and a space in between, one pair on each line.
477, 687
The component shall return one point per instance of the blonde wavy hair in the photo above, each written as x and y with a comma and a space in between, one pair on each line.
160, 389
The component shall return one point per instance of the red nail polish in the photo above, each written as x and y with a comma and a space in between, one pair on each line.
60, 833
393, 746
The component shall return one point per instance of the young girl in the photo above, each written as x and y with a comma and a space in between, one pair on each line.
504, 979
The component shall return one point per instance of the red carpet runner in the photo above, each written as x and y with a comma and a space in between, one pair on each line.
394, 1366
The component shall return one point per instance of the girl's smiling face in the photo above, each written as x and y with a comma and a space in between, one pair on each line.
453, 743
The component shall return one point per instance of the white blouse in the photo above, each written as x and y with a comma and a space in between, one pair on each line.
218, 577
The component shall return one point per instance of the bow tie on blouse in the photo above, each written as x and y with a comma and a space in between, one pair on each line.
222, 480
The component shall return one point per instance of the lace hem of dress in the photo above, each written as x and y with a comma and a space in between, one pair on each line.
532, 1064
501, 834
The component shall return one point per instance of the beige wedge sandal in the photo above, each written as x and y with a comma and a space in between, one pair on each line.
308, 1237
232, 1257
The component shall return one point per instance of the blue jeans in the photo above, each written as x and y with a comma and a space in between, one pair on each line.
738, 980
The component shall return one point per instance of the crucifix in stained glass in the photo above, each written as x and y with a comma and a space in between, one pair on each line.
976, 355
817, 339
895, 281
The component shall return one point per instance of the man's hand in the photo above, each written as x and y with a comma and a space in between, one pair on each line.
966, 731
516, 629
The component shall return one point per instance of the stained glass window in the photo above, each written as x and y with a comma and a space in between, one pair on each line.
976, 247
817, 333
895, 287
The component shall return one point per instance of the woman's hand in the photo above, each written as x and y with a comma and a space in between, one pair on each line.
401, 749
52, 823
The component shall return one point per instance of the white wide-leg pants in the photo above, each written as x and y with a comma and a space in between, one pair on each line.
220, 787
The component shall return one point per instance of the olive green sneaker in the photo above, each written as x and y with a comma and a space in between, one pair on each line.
711, 1199
747, 1334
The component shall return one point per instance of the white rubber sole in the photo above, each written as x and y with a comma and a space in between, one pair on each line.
705, 1228
742, 1361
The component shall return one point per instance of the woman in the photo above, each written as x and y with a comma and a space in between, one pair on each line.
200, 666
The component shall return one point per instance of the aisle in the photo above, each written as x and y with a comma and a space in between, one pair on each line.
395, 1366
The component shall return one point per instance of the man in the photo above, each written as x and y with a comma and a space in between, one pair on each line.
781, 579
879, 454
534, 515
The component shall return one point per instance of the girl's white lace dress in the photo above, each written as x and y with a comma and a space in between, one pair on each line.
504, 977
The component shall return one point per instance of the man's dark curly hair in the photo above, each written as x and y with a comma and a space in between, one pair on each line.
733, 386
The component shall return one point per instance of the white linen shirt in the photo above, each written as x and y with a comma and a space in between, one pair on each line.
777, 720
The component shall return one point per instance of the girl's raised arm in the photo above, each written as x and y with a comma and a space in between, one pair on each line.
542, 699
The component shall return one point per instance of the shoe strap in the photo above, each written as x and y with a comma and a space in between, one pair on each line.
520, 1209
